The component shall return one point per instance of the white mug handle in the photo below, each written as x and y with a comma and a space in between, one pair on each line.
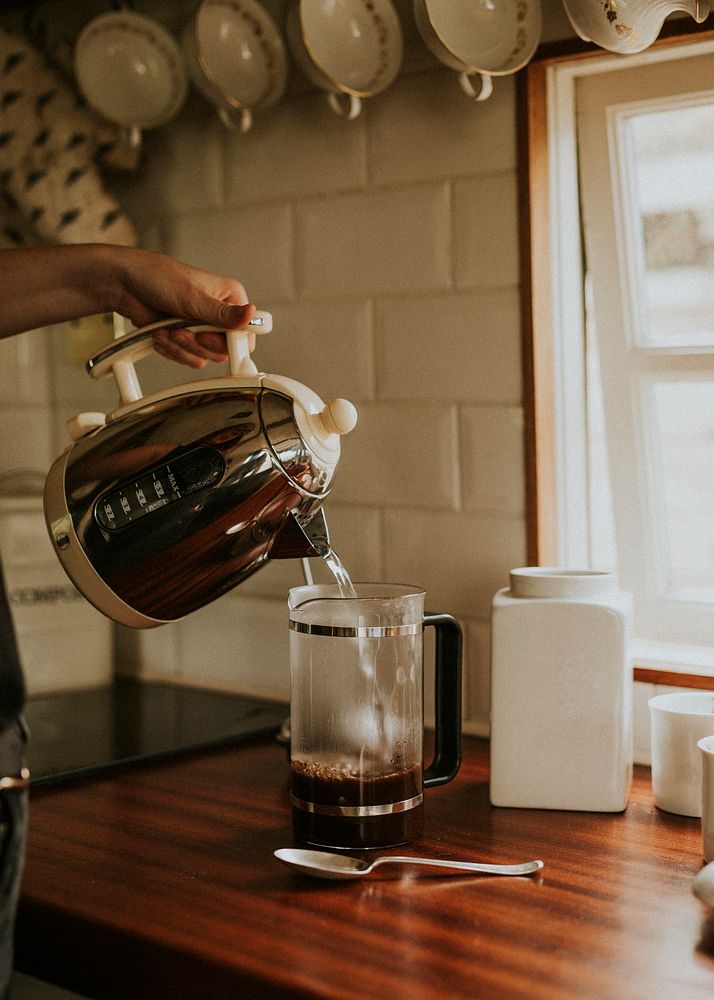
484, 91
347, 106
241, 120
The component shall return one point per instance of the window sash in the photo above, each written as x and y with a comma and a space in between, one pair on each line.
559, 522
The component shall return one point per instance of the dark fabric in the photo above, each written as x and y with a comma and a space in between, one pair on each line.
13, 832
12, 685
13, 804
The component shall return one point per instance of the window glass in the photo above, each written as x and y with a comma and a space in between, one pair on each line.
684, 445
641, 297
673, 165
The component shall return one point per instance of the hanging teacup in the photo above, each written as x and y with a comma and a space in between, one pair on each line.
350, 48
129, 68
480, 40
236, 58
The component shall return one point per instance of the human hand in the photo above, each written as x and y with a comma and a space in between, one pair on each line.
196, 349
43, 286
153, 286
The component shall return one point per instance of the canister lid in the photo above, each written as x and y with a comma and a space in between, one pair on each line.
552, 581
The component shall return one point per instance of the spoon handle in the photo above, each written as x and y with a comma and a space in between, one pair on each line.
467, 866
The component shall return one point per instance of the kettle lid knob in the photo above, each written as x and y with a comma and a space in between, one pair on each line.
339, 416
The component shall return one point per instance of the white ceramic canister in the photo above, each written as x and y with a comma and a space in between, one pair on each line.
561, 691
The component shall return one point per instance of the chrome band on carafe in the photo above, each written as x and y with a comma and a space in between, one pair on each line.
381, 809
356, 631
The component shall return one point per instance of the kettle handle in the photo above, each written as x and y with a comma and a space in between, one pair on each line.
119, 357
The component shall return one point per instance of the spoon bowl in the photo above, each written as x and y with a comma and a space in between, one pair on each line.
324, 864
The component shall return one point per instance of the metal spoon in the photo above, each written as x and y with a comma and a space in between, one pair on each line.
323, 864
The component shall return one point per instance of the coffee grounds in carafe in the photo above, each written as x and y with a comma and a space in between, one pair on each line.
323, 785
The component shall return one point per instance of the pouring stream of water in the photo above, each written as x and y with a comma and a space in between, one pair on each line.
338, 570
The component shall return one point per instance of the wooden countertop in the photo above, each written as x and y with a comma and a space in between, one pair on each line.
159, 881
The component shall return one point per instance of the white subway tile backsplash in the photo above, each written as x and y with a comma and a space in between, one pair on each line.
486, 231
401, 455
72, 387
459, 559
492, 462
382, 241
26, 439
51, 663
356, 537
325, 345
180, 170
252, 244
24, 370
149, 654
424, 126
274, 579
449, 347
238, 644
477, 671
298, 148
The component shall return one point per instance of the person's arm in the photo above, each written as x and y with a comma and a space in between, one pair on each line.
41, 286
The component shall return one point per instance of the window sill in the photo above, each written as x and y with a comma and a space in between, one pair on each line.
674, 664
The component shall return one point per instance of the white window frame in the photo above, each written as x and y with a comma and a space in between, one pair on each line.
554, 308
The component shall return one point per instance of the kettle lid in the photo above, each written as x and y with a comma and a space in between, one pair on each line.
321, 425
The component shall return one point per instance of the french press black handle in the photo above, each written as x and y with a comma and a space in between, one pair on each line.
447, 688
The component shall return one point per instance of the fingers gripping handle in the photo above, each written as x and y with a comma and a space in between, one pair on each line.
119, 357
239, 359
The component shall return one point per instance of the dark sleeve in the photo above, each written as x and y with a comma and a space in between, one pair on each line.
12, 685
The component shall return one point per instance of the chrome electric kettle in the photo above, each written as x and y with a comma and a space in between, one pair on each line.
172, 499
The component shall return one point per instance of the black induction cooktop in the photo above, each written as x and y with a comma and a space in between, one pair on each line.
81, 733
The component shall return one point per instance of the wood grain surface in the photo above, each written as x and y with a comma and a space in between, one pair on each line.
159, 882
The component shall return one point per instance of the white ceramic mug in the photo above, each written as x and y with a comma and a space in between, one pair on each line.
129, 68
480, 40
352, 49
236, 59
706, 749
679, 721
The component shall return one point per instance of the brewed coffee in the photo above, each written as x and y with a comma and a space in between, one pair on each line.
320, 785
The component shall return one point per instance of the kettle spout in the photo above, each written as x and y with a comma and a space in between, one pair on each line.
295, 541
